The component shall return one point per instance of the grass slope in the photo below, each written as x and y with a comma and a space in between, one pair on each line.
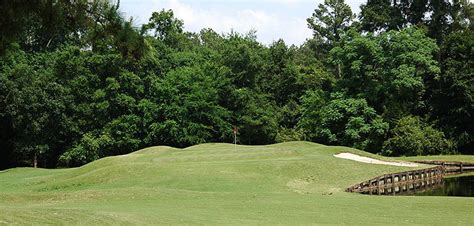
288, 183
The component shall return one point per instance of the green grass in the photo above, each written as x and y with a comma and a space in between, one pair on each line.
462, 158
288, 183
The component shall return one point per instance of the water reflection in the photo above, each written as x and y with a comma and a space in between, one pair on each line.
453, 186
462, 185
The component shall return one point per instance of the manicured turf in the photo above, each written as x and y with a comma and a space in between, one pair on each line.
289, 183
462, 158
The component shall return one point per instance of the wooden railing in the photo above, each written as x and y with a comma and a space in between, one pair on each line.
401, 182
411, 181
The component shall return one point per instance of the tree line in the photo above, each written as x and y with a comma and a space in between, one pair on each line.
78, 81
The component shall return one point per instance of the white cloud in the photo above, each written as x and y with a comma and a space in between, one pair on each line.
269, 26
272, 19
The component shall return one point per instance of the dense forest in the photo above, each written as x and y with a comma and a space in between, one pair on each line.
78, 81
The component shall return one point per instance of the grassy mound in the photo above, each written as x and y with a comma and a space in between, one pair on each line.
288, 183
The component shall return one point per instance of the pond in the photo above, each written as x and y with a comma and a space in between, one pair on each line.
461, 185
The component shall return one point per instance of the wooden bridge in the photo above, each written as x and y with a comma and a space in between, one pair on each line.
403, 182
411, 181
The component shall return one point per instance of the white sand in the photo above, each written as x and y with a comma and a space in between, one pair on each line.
359, 158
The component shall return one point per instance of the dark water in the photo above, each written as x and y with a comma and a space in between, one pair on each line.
451, 186
461, 185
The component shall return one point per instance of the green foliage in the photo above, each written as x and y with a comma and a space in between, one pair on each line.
343, 121
41, 25
243, 55
255, 117
330, 20
380, 15
188, 110
125, 134
281, 74
88, 149
438, 17
79, 82
36, 106
412, 136
388, 70
286, 135
165, 27
452, 91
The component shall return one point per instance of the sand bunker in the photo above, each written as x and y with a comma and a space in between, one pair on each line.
359, 158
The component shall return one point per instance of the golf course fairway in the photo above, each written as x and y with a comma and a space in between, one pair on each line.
286, 183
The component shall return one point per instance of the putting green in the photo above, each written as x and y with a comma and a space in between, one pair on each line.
288, 183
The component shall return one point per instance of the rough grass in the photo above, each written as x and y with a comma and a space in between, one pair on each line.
288, 183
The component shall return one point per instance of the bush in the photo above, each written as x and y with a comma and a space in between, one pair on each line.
411, 136
87, 150
342, 121
288, 134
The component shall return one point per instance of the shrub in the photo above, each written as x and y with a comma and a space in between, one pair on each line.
411, 136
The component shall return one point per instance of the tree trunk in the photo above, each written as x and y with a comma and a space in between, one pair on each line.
35, 162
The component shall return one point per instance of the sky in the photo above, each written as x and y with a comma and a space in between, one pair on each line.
272, 19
